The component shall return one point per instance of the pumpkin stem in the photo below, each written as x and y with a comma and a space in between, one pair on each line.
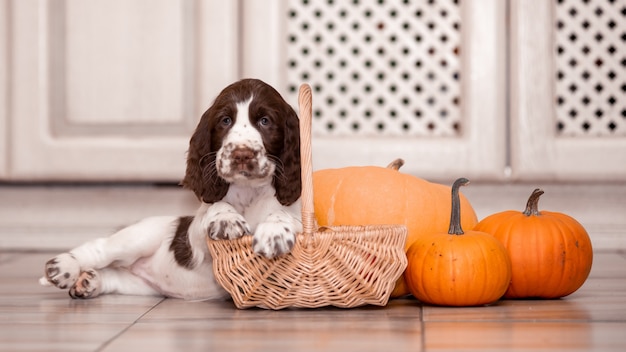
455, 216
532, 207
396, 164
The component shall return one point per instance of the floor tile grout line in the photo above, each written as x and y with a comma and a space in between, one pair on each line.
119, 334
422, 329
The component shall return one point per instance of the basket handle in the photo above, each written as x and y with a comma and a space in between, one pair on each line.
305, 105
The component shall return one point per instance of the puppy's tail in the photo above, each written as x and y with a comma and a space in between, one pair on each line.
43, 281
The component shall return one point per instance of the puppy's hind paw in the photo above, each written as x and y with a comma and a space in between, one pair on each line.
61, 271
87, 285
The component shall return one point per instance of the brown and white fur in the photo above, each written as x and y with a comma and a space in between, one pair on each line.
243, 164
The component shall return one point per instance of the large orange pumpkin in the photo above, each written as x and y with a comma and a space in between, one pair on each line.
457, 268
550, 252
373, 195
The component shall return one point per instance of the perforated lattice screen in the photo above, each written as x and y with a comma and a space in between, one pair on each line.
377, 67
591, 67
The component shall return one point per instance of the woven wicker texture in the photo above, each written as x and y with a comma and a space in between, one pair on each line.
342, 266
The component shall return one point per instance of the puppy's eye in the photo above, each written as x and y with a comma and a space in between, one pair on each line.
264, 121
226, 121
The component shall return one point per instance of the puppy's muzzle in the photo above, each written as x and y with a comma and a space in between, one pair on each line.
244, 161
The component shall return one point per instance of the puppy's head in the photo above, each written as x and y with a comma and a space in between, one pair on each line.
249, 136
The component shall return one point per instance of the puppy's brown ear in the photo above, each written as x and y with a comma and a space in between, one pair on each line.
201, 175
288, 183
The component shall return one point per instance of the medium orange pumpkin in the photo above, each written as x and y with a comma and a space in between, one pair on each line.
457, 268
550, 252
373, 195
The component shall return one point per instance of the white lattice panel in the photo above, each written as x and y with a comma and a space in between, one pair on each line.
591, 67
377, 67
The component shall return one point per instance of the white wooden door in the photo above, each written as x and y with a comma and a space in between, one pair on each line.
390, 79
109, 89
568, 92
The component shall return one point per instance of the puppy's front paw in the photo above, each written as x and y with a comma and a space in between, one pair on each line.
87, 285
273, 239
62, 271
228, 225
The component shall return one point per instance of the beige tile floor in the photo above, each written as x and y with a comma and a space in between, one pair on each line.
34, 318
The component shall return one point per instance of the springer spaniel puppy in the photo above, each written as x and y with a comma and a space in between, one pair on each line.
243, 164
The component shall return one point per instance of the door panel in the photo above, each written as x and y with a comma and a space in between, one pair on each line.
568, 97
111, 90
390, 80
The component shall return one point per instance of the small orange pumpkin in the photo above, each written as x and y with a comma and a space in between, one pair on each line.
457, 268
550, 252
374, 195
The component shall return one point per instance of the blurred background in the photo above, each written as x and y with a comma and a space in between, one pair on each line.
500, 91
110, 90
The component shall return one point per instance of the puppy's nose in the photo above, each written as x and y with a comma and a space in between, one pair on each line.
242, 155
